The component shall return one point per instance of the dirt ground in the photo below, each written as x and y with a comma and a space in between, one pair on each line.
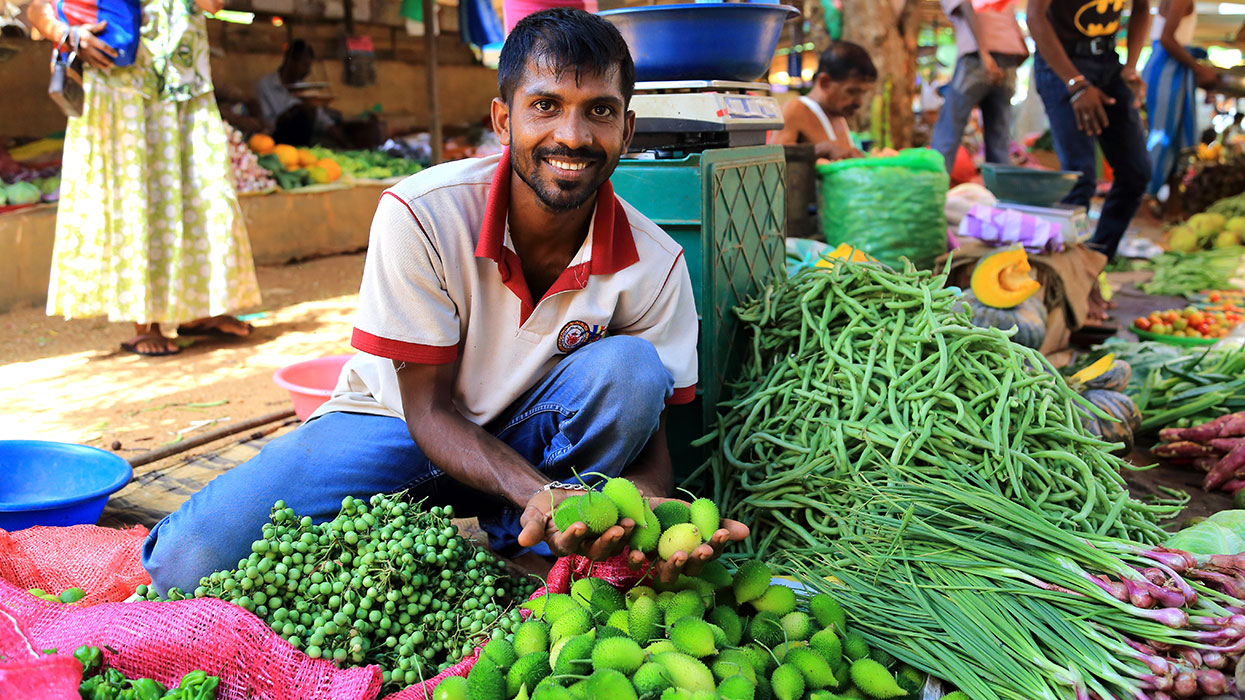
70, 381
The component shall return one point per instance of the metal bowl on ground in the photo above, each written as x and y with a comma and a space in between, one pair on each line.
1039, 188
56, 483
702, 41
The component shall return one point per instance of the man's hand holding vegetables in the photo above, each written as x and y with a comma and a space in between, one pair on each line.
519, 325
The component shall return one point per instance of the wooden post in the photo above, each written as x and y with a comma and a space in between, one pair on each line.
430, 59
888, 31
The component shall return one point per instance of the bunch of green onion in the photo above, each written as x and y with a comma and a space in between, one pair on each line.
958, 581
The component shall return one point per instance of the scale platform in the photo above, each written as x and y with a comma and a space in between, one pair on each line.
1072, 220
681, 114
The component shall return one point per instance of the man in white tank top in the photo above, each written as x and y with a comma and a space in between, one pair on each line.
845, 76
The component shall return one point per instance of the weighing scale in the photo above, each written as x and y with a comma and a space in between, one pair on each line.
692, 115
1073, 221
700, 169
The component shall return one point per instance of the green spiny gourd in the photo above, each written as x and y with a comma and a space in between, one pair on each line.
598, 596
797, 625
765, 628
705, 516
501, 652
643, 620
485, 681
828, 612
817, 673
715, 573
854, 646
618, 653
618, 620
827, 643
730, 623
575, 656
683, 537
873, 678
626, 498
750, 581
733, 662
650, 679
671, 513
686, 672
569, 624
598, 513
566, 513
777, 599
787, 682
684, 604
531, 637
528, 670
647, 533
737, 688
692, 636
609, 683
451, 688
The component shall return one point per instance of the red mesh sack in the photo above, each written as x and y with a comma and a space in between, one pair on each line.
26, 672
567, 570
101, 561
167, 640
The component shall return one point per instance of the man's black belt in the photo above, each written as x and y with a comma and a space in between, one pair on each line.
1098, 46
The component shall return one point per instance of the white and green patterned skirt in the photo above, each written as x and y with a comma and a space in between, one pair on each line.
148, 227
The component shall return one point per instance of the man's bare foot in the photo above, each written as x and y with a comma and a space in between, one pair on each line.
150, 342
216, 325
1098, 306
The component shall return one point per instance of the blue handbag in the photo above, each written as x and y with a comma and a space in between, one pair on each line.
124, 19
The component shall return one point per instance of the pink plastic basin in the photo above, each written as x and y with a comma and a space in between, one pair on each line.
310, 382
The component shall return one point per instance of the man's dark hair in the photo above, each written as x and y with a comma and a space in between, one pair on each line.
846, 61
298, 49
565, 39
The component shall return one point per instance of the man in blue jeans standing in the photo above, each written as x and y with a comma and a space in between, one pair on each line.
517, 323
1090, 96
991, 47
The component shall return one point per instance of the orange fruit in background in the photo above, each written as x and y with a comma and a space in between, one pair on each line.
306, 158
261, 144
288, 155
331, 168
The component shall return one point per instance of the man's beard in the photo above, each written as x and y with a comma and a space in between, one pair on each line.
550, 191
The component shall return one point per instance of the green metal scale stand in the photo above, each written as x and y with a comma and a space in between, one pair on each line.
727, 208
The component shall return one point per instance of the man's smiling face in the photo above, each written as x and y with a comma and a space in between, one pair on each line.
566, 132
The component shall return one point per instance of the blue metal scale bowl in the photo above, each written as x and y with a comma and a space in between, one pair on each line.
56, 483
702, 41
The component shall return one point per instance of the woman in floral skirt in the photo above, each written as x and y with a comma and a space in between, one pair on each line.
148, 228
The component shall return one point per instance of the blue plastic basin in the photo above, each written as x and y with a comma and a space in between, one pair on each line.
702, 41
56, 483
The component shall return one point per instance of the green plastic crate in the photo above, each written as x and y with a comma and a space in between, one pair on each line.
727, 209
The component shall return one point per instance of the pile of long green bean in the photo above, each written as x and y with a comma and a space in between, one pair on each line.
1182, 274
860, 369
968, 586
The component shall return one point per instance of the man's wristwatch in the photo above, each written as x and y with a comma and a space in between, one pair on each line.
1074, 81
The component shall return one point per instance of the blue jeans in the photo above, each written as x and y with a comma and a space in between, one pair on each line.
1123, 144
970, 88
594, 411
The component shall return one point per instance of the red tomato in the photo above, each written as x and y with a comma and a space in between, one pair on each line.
1203, 327
1143, 323
1214, 296
1195, 318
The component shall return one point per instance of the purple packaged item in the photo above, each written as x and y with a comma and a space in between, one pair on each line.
1001, 227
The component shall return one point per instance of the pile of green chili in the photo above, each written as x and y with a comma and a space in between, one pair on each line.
859, 369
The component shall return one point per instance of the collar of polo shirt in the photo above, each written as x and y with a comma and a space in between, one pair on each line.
613, 247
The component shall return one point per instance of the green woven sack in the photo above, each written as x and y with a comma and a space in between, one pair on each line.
891, 208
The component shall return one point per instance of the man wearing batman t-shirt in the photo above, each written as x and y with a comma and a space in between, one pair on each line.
1090, 96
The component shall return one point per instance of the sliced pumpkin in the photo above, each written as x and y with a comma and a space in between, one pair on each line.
1095, 370
1001, 280
845, 251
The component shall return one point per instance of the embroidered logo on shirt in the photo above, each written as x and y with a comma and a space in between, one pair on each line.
576, 334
